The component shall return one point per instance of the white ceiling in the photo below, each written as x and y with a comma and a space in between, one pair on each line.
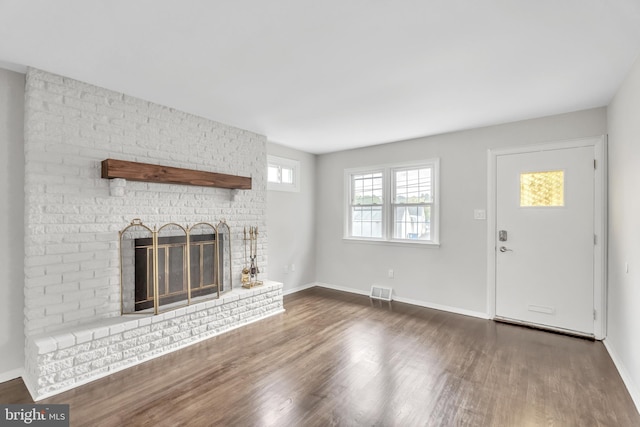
326, 75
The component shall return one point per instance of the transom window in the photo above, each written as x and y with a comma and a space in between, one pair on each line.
283, 174
393, 203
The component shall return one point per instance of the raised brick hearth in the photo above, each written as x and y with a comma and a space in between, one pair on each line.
66, 359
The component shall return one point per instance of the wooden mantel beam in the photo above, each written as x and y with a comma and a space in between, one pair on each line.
146, 172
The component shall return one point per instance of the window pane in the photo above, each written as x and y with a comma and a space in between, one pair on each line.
367, 189
273, 174
287, 175
356, 228
542, 189
412, 222
366, 221
413, 186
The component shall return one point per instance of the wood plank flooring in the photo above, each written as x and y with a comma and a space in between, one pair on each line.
341, 359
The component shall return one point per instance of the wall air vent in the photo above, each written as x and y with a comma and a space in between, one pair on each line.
381, 292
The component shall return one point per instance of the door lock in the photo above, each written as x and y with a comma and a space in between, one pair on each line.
502, 235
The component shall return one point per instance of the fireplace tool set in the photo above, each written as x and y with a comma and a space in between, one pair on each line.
251, 270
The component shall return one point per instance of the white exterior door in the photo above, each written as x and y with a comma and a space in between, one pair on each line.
545, 238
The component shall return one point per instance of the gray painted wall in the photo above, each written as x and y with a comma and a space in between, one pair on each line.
454, 274
11, 224
291, 221
623, 338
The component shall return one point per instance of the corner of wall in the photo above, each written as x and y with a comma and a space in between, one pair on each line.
632, 388
12, 293
623, 292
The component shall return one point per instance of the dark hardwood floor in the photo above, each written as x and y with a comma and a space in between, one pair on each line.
341, 359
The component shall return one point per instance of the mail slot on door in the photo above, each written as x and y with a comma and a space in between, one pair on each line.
502, 235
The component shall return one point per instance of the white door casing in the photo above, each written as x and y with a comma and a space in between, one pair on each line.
551, 272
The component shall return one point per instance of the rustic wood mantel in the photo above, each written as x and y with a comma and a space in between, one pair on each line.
146, 172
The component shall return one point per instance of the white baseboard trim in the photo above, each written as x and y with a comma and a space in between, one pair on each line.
11, 375
298, 288
632, 387
411, 301
342, 288
441, 307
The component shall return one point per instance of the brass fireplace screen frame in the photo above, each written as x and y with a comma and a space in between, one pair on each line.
129, 273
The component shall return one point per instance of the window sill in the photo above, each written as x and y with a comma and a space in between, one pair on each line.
409, 243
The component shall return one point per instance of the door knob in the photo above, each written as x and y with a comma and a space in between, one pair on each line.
505, 249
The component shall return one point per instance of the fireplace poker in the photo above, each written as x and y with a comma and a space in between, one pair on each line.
252, 255
255, 252
245, 271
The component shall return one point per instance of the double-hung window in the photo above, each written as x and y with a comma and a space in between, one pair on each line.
393, 203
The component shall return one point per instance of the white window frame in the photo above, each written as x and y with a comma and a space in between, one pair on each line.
388, 171
281, 162
349, 206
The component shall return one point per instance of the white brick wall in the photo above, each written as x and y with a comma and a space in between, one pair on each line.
72, 221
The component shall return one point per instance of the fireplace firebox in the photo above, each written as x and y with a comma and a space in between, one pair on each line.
173, 266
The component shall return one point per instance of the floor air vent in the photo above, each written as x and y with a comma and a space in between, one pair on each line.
380, 292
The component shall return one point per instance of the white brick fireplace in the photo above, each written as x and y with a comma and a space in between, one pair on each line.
72, 278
